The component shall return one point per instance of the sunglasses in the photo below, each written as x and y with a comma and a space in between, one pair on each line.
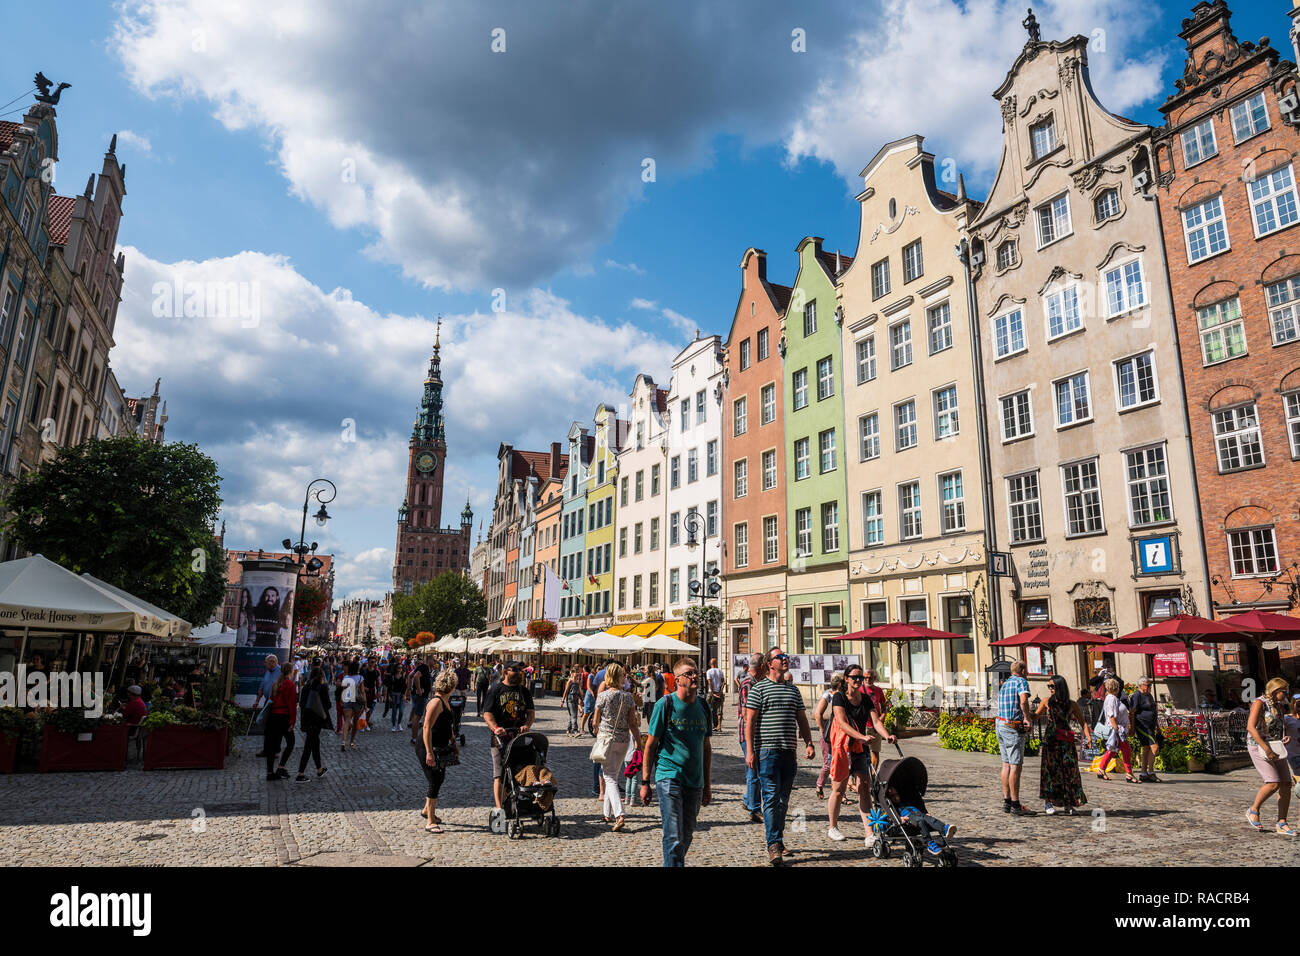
854, 677
779, 657
691, 675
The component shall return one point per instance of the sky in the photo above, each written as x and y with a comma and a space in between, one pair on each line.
570, 186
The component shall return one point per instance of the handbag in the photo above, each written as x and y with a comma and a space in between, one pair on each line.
600, 749
316, 706
444, 757
1065, 735
1102, 730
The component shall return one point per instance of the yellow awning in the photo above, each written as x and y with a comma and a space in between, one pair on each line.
618, 630
644, 630
670, 628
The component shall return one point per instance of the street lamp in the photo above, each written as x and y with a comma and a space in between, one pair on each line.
707, 588
321, 516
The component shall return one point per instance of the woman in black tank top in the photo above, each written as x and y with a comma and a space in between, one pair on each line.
436, 746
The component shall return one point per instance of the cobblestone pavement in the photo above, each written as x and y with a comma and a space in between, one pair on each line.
365, 811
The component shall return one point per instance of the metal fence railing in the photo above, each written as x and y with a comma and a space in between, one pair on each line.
1224, 733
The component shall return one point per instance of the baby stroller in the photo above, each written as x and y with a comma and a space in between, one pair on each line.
521, 803
457, 700
907, 777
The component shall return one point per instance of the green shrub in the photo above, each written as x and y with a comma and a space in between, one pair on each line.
975, 734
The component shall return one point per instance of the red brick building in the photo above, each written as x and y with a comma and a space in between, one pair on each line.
322, 578
1226, 176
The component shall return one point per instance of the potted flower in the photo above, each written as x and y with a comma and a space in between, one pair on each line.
12, 721
178, 737
1198, 755
72, 741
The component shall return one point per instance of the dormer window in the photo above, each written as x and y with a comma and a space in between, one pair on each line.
1042, 137
1007, 254
26, 219
1106, 205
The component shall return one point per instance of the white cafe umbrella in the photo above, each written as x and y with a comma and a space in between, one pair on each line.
38, 594
662, 642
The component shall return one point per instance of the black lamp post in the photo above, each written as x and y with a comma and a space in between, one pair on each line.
301, 548
707, 587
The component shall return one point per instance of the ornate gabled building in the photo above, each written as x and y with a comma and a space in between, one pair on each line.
425, 549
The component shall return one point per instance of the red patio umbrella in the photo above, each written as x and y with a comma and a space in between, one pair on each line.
1156, 647
1264, 621
1184, 629
1050, 635
899, 633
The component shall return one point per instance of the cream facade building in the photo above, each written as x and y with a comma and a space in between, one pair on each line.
1094, 487
917, 551
641, 550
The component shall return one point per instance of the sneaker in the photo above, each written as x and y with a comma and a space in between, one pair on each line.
933, 848
1006, 806
835, 834
272, 776
870, 839
948, 831
1019, 811
1049, 809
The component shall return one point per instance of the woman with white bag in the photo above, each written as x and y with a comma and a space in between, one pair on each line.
1114, 717
618, 724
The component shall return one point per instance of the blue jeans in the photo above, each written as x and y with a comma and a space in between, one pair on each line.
776, 777
679, 807
396, 705
595, 779
753, 792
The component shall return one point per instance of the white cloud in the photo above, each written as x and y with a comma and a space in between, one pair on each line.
136, 141
631, 267
639, 303
931, 66
683, 323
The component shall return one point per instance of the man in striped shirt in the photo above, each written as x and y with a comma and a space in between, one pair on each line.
774, 710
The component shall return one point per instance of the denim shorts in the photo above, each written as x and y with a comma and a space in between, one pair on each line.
1011, 743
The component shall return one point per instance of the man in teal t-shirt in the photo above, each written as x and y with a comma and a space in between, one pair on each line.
679, 751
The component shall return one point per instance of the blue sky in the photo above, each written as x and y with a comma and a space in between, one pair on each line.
476, 170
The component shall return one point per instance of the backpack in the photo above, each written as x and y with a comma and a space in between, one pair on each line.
659, 686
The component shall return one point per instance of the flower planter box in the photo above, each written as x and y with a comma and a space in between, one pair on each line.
184, 747
8, 752
105, 750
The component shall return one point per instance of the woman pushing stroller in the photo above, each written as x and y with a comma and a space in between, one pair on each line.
854, 717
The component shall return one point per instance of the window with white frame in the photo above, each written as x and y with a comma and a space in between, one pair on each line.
686, 414
803, 532
1254, 552
1017, 416
1062, 309
742, 545
675, 472
904, 425
1283, 310
880, 279
1292, 403
744, 354
1006, 254
1236, 438
767, 397
952, 501
799, 388
938, 320
769, 470
1042, 137
873, 518
710, 518
654, 534
825, 378
810, 318
1223, 333
1125, 288
946, 423
711, 458
1135, 377
674, 526
1205, 229
801, 460
900, 345
640, 485
674, 585
869, 436
637, 538
1199, 143
1082, 486
741, 485
7, 309
826, 447
1073, 400
701, 407
1024, 508
740, 414
865, 350
1053, 220
692, 465
1106, 205
830, 527
1249, 117
1147, 477
909, 510
1273, 200
762, 344
1008, 334
771, 540
913, 266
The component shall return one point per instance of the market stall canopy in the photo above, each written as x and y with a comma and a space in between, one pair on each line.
604, 643
211, 635
1050, 635
662, 642
38, 594
177, 629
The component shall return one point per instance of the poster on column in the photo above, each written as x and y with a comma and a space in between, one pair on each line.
265, 619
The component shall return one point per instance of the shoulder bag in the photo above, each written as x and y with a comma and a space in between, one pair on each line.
600, 749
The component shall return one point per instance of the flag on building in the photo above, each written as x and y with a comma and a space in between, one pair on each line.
551, 596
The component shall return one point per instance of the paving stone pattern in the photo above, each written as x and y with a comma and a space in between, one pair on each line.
365, 811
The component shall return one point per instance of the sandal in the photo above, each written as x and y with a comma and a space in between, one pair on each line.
433, 828
821, 794
618, 825
1282, 827
1252, 817
1103, 776
1131, 779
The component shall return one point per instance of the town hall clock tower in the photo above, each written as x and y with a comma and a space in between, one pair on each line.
424, 548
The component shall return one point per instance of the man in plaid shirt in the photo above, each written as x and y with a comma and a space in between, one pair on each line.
1013, 721
753, 793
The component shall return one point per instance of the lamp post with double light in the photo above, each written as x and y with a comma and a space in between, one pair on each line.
707, 587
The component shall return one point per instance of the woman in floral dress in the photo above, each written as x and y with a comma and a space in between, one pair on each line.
1059, 784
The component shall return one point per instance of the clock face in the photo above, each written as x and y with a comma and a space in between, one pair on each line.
426, 462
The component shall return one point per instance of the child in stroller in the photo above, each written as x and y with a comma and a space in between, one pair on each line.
529, 787
901, 818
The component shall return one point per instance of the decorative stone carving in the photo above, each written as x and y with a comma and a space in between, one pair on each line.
1066, 71
1034, 98
1009, 109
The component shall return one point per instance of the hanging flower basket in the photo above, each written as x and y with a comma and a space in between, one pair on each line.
541, 630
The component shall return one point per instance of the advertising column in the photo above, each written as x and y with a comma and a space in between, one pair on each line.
265, 621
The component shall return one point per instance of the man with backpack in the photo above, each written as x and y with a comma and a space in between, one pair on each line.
679, 754
482, 680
